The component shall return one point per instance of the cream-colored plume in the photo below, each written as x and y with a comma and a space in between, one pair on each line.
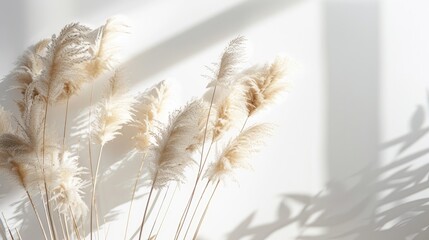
149, 110
236, 155
28, 67
68, 193
105, 48
230, 112
232, 61
170, 157
265, 84
114, 110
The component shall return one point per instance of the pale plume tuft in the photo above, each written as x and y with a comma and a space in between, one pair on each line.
265, 84
229, 112
28, 67
149, 110
170, 156
106, 46
5, 121
114, 110
236, 155
62, 61
231, 63
68, 192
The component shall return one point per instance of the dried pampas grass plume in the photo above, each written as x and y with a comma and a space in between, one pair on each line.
235, 155
114, 110
149, 111
171, 157
28, 67
105, 48
5, 121
68, 192
265, 84
229, 112
61, 63
231, 63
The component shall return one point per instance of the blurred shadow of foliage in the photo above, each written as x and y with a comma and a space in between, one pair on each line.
381, 201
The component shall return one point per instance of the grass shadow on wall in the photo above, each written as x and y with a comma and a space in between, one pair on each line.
396, 191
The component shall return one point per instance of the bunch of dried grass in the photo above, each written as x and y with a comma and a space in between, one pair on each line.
55, 69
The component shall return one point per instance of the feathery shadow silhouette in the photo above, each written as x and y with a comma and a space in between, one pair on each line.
397, 192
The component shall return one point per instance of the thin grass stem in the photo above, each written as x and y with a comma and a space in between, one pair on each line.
17, 233
159, 211
166, 211
147, 205
205, 211
94, 186
133, 195
185, 212
65, 122
7, 226
36, 213
196, 208
48, 205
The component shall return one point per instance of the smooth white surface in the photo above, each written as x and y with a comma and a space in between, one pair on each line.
356, 109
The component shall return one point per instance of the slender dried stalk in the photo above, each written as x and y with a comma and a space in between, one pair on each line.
37, 214
90, 152
185, 212
75, 227
205, 211
48, 205
146, 207
45, 211
159, 211
7, 226
94, 186
63, 231
166, 211
65, 123
196, 208
66, 226
17, 233
133, 195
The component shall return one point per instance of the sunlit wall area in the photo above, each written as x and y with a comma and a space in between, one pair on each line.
347, 159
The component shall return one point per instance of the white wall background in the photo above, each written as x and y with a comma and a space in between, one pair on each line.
348, 160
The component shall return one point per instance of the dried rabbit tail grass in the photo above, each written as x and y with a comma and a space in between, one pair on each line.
235, 156
265, 84
113, 111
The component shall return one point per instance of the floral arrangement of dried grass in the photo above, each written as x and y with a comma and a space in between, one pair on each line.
168, 143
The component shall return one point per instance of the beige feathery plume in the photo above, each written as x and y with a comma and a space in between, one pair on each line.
10, 143
201, 126
68, 192
235, 155
114, 110
229, 112
61, 63
231, 63
105, 48
5, 121
264, 84
28, 68
32, 120
148, 111
170, 157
